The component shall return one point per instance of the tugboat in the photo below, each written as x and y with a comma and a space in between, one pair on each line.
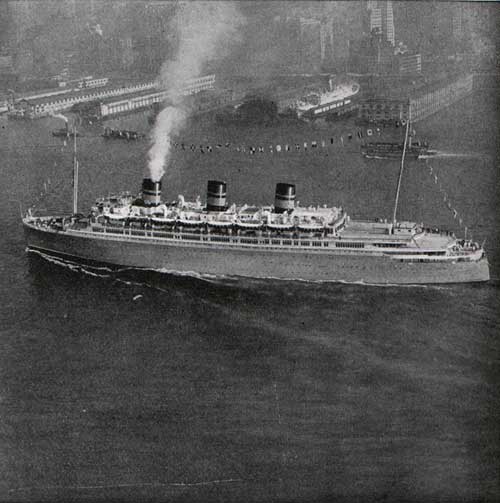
121, 134
65, 132
393, 150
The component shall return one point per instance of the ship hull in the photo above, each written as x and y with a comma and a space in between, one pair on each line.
210, 259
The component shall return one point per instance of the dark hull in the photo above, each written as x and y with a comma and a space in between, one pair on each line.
220, 260
62, 133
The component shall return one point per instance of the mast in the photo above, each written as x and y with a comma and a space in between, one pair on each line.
401, 171
75, 174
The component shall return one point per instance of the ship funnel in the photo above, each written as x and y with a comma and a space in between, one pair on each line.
216, 196
284, 199
151, 192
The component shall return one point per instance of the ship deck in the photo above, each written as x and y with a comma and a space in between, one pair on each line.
422, 246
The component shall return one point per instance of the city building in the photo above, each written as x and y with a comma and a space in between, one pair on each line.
435, 97
388, 21
310, 44
326, 41
196, 85
372, 54
45, 104
409, 64
383, 110
375, 19
135, 96
381, 18
416, 104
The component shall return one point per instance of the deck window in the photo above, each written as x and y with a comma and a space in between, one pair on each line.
346, 244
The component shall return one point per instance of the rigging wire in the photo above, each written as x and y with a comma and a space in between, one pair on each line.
446, 199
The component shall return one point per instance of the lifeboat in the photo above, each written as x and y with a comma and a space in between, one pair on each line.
311, 226
115, 219
137, 220
116, 216
249, 223
280, 226
160, 221
189, 222
220, 224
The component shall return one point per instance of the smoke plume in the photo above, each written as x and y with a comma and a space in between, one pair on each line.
205, 30
60, 116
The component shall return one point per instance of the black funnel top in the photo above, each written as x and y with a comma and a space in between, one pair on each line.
284, 199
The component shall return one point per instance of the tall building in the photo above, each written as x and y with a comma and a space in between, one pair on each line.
375, 19
326, 41
381, 18
388, 21
310, 38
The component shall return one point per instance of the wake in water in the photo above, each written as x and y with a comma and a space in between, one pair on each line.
117, 274
436, 154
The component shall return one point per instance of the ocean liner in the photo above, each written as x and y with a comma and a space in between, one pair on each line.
283, 240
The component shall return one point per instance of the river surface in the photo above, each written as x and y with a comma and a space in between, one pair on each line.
160, 387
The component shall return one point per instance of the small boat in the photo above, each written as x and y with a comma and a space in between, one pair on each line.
122, 134
220, 223
310, 226
65, 133
248, 225
164, 220
392, 150
274, 226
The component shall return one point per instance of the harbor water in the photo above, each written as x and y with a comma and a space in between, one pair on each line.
155, 386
